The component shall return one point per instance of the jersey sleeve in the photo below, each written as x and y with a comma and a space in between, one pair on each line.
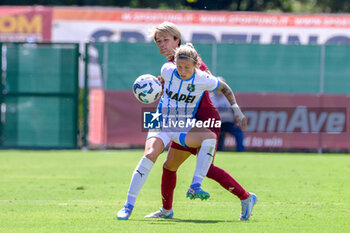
166, 71
211, 82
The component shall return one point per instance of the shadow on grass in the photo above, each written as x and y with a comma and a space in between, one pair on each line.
176, 220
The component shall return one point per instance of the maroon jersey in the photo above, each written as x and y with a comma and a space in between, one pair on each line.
206, 110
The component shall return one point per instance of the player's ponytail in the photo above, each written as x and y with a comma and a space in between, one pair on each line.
187, 51
190, 45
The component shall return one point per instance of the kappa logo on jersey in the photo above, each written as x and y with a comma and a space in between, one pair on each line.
191, 87
181, 97
152, 120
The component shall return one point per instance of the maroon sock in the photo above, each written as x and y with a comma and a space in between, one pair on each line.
227, 181
168, 186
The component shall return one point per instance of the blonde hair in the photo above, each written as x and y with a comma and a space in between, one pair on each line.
187, 51
166, 28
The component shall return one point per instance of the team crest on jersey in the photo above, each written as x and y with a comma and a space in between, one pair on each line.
191, 87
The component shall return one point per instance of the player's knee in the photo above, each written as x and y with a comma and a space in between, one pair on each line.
210, 135
170, 167
213, 135
209, 140
151, 155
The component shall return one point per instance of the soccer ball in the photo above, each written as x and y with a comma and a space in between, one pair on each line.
147, 89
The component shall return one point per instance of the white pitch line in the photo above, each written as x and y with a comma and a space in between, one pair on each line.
46, 201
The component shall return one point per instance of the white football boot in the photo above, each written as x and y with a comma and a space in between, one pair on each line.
247, 206
161, 213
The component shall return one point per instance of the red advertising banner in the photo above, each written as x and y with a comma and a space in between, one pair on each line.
30, 23
82, 24
296, 120
274, 120
203, 17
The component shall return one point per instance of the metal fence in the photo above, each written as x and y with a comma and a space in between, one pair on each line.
272, 68
39, 85
39, 95
262, 77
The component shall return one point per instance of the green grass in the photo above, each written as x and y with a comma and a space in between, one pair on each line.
76, 191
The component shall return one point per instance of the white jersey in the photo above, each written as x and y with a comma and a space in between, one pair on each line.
181, 98
179, 103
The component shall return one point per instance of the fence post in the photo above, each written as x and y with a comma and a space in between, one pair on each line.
321, 92
85, 97
214, 58
1, 98
322, 65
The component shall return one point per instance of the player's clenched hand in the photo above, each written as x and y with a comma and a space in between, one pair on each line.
241, 122
240, 118
161, 80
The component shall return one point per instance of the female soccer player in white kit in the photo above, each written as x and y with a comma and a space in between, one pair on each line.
184, 86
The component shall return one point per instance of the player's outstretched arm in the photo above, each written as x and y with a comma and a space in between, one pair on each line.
228, 93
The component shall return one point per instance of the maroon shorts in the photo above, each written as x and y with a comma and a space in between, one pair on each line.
206, 110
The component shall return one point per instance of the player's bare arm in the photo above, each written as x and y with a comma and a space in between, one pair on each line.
228, 93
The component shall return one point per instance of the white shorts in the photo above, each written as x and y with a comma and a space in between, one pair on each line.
166, 137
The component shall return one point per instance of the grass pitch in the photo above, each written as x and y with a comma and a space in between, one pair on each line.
76, 191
